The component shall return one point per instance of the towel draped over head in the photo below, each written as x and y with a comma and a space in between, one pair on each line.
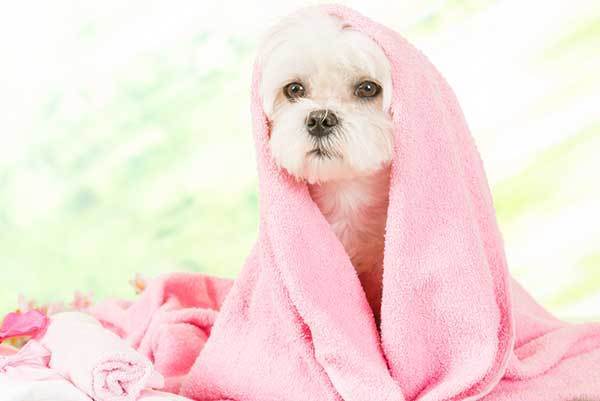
454, 326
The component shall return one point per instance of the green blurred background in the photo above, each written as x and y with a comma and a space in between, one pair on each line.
126, 144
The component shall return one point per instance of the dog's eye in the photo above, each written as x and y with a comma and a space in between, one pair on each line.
367, 89
294, 90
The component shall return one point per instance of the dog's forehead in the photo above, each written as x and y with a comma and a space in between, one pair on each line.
317, 43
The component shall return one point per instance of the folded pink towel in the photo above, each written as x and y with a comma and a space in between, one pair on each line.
29, 363
170, 321
297, 326
96, 360
24, 375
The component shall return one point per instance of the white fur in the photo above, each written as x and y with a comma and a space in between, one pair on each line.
351, 188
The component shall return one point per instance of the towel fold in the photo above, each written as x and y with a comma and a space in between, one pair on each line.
454, 326
96, 360
27, 363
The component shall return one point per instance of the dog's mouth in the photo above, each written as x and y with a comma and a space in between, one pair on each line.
324, 149
319, 153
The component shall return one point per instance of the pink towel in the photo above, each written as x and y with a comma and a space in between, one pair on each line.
29, 363
170, 321
297, 326
96, 360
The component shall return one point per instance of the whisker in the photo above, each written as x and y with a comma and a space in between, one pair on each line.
325, 115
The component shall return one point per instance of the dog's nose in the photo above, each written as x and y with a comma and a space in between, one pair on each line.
320, 123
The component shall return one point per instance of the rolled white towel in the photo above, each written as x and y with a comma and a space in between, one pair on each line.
96, 360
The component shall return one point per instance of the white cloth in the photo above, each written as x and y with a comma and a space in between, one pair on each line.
12, 389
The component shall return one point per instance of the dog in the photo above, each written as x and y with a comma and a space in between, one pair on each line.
326, 90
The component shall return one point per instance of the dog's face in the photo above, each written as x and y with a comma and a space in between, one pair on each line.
326, 90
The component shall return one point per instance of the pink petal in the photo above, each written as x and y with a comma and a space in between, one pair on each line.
17, 324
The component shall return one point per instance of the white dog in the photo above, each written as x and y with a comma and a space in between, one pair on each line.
326, 90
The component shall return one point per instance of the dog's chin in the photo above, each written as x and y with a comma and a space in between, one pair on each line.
320, 167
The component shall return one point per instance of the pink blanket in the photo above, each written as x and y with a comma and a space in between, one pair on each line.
454, 326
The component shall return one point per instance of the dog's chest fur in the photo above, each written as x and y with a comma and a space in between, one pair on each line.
356, 209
